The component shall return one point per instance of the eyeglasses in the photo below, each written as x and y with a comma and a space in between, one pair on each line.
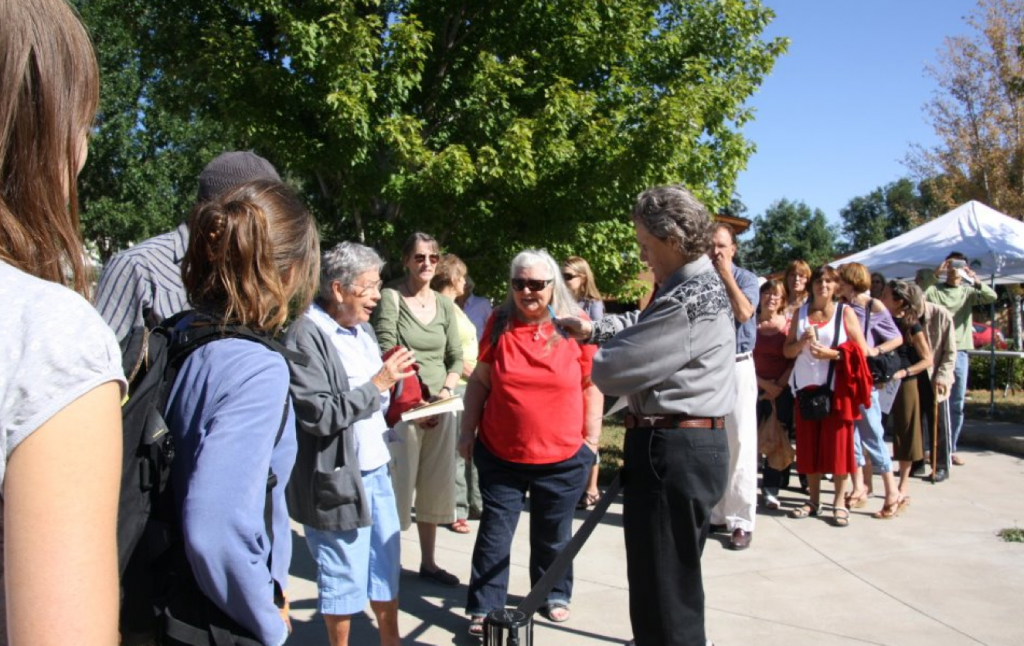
567, 277
421, 257
519, 284
365, 289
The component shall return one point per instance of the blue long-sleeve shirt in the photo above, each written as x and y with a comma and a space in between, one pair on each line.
224, 411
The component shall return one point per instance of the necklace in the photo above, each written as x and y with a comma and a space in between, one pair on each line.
415, 297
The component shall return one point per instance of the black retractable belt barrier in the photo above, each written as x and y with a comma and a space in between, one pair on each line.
508, 627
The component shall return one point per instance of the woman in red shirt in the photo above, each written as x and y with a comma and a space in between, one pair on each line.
532, 407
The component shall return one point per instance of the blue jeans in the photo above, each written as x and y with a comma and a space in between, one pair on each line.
870, 437
957, 394
554, 491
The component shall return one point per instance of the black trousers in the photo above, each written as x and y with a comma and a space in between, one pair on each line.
671, 480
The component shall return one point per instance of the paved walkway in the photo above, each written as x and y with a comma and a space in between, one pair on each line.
935, 576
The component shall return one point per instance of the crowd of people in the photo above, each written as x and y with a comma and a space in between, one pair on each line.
267, 433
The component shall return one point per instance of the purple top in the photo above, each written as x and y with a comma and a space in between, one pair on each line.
883, 328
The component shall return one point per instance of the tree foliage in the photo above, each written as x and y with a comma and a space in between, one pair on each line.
887, 212
979, 114
789, 231
493, 125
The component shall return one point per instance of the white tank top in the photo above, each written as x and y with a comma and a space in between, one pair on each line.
808, 371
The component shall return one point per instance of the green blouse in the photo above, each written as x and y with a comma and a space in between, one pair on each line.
436, 344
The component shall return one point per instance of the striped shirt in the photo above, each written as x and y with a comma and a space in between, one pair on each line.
142, 285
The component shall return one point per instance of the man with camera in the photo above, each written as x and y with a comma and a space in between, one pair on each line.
959, 294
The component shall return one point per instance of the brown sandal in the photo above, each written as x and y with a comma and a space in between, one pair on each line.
888, 511
806, 510
460, 526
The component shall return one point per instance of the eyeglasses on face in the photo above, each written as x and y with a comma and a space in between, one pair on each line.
567, 276
420, 258
363, 290
519, 284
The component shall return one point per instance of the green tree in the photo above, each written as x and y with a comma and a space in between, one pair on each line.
493, 125
140, 179
886, 212
789, 231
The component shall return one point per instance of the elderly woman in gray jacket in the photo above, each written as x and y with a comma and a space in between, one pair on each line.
340, 489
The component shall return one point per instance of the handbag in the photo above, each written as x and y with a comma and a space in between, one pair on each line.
884, 366
406, 394
816, 403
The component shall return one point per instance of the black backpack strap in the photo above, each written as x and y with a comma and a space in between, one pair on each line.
835, 342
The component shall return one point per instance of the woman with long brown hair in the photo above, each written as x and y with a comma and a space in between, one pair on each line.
253, 256
60, 379
797, 281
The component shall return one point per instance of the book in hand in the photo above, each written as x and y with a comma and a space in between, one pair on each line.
450, 405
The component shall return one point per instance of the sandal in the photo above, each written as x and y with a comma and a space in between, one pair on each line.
460, 526
588, 500
888, 511
903, 502
556, 612
840, 516
476, 626
856, 501
806, 510
957, 460
440, 577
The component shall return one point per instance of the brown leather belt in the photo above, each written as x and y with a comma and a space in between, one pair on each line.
673, 421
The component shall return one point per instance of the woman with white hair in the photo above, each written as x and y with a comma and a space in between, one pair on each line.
530, 403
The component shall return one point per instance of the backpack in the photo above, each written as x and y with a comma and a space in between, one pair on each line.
159, 593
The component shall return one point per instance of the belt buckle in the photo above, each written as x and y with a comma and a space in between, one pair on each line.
650, 421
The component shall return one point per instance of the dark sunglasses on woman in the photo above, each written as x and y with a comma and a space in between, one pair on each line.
421, 257
519, 284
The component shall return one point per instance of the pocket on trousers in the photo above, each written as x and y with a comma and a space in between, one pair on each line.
335, 488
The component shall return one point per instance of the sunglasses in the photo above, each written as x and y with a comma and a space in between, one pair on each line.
420, 258
519, 284
568, 277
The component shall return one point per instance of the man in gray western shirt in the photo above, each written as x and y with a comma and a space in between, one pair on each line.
676, 362
736, 511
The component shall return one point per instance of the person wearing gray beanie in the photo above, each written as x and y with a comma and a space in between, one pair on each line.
142, 286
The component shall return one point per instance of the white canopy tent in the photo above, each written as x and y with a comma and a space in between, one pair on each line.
993, 242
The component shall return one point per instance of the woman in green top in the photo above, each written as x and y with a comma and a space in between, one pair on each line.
412, 315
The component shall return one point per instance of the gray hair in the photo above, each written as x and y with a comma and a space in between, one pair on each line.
673, 213
344, 263
562, 300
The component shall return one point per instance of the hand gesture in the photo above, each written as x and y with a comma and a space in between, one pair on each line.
397, 367
574, 327
465, 446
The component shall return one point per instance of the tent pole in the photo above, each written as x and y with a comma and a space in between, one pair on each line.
992, 355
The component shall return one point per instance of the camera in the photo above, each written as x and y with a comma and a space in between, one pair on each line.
956, 263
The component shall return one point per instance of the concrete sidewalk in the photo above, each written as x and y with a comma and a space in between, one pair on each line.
937, 575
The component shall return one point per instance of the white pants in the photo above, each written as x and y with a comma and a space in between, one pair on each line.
738, 506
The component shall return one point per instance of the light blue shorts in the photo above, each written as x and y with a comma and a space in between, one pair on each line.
364, 564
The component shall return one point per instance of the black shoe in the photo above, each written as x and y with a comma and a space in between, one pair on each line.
740, 540
717, 529
917, 468
940, 475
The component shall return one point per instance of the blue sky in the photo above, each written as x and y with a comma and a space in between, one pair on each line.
840, 111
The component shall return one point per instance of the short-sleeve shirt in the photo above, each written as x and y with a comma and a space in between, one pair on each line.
746, 332
56, 348
534, 414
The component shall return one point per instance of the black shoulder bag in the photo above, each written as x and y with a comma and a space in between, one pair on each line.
885, 365
816, 403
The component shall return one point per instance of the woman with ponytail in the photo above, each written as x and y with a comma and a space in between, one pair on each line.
252, 261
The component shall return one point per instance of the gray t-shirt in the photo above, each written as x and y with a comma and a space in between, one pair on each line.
56, 348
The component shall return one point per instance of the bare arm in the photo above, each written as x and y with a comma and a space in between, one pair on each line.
477, 391
795, 345
924, 351
593, 410
742, 308
60, 556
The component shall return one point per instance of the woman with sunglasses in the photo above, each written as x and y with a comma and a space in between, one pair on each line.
414, 316
531, 405
906, 303
580, 281
824, 334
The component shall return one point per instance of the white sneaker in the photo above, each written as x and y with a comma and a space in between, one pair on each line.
771, 502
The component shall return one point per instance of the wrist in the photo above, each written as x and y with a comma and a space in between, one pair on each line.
448, 388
